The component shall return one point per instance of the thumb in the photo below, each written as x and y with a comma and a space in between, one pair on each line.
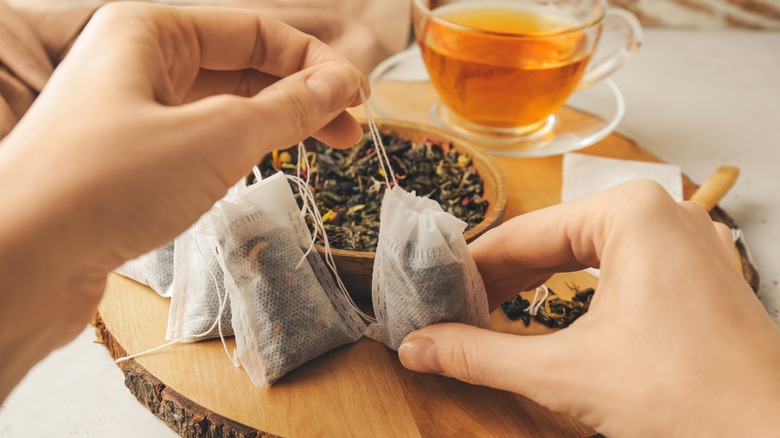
520, 364
293, 108
301, 104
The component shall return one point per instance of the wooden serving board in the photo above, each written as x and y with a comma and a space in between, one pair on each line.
356, 390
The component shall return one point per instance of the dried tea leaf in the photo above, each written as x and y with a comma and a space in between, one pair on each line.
348, 184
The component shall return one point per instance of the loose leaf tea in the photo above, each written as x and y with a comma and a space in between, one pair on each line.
556, 313
349, 184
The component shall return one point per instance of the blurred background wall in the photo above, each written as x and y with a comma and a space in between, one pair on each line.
755, 14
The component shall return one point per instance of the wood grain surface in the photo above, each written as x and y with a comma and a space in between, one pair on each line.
355, 390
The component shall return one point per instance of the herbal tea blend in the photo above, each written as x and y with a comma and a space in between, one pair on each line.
154, 269
199, 291
423, 271
348, 185
286, 308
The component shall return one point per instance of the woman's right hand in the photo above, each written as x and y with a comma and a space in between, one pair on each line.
674, 343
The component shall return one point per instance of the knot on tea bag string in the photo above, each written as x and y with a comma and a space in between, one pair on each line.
535, 305
384, 161
217, 322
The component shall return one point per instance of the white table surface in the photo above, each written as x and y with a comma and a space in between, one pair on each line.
698, 99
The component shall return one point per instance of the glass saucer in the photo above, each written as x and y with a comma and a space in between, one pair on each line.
401, 89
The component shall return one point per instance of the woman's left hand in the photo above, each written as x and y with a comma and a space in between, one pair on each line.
153, 115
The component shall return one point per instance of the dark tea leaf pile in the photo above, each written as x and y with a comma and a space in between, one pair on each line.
555, 313
348, 185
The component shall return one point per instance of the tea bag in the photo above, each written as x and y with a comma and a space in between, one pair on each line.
286, 307
199, 307
154, 269
199, 291
423, 271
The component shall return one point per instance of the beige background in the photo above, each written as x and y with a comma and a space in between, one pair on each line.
756, 14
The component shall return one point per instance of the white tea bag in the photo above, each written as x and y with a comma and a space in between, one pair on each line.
199, 307
199, 290
286, 308
154, 269
423, 270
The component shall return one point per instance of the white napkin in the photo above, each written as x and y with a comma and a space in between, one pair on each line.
584, 175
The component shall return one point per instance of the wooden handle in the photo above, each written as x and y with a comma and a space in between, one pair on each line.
715, 187
713, 190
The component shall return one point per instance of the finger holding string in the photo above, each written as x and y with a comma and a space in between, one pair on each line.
243, 83
337, 133
161, 60
114, 102
174, 44
280, 51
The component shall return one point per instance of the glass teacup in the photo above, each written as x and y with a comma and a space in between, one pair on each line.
503, 68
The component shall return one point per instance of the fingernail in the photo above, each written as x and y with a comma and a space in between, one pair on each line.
420, 355
334, 85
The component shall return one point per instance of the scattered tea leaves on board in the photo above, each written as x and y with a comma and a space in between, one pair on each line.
555, 313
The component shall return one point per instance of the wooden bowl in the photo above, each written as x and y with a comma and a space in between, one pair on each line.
355, 267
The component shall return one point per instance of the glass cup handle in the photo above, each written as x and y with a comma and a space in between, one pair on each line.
629, 24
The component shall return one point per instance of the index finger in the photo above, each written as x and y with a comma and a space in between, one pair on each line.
636, 222
178, 42
235, 39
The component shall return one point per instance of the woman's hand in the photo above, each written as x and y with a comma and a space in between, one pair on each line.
153, 115
674, 343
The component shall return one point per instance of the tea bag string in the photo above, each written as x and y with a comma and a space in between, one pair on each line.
258, 174
535, 305
217, 322
302, 191
303, 158
384, 161
310, 207
222, 304
305, 190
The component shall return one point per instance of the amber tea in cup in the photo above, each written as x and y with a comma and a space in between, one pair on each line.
507, 66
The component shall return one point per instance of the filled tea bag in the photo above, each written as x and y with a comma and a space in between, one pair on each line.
286, 307
154, 269
423, 271
199, 307
199, 291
